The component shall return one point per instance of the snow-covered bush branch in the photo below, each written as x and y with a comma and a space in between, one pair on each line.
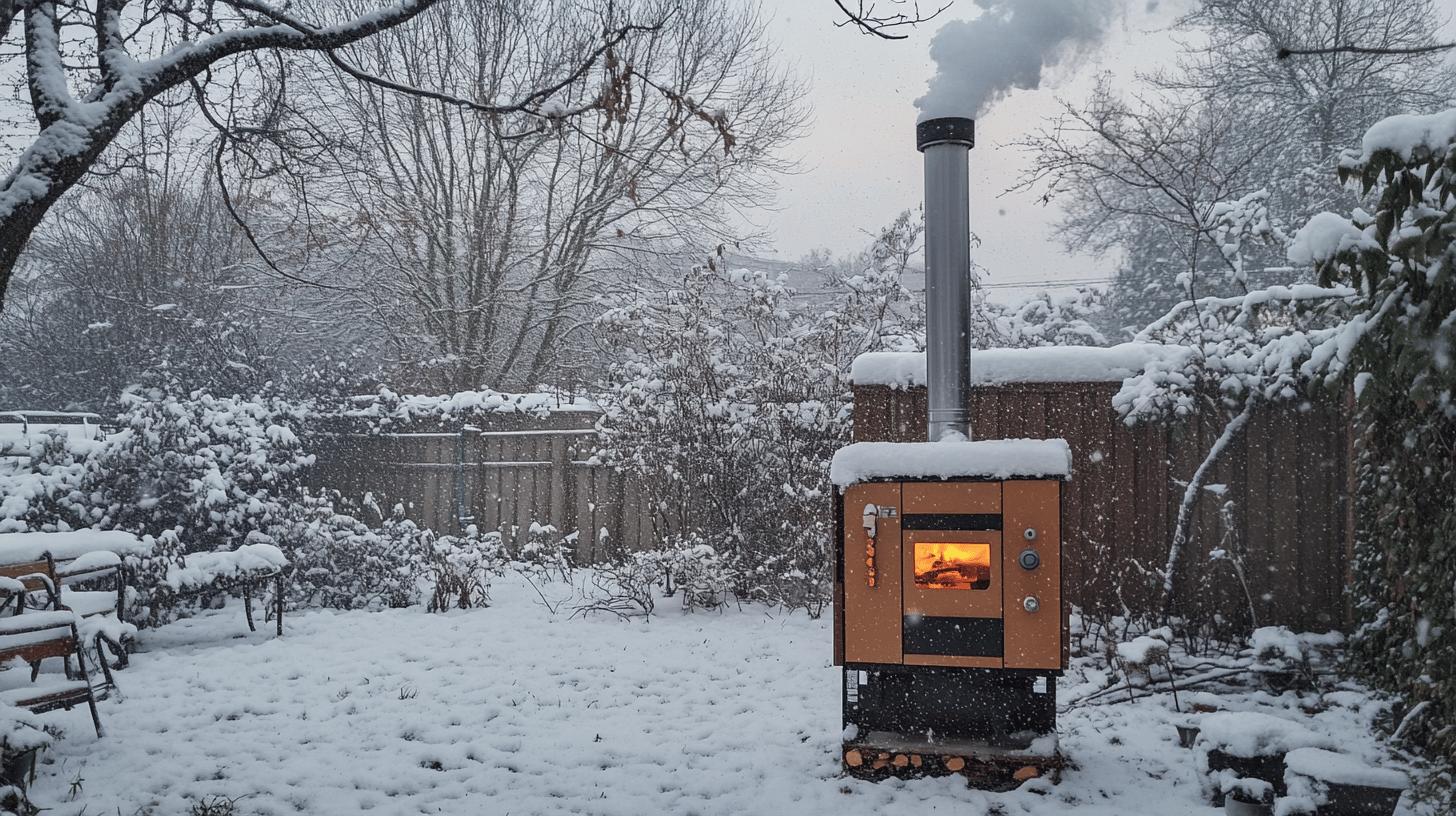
730, 394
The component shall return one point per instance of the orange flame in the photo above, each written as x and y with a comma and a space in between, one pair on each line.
952, 565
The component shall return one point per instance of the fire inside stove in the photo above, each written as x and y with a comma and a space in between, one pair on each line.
952, 565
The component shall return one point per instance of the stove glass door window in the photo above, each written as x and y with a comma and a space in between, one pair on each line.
952, 565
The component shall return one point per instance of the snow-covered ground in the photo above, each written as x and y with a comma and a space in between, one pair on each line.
513, 710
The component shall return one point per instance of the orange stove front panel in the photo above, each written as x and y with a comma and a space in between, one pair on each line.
960, 574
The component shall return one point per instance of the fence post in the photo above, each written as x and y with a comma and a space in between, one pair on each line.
467, 442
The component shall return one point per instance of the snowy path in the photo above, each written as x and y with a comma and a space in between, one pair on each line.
508, 710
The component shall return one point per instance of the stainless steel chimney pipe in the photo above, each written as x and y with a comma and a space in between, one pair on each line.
946, 143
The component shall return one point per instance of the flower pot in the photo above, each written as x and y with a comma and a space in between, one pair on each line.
1237, 805
1187, 733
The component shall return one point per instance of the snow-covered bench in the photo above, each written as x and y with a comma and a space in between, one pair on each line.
37, 636
77, 557
53, 566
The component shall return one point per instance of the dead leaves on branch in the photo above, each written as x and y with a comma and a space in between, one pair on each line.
617, 98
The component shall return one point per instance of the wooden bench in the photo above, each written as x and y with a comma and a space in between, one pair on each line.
47, 580
34, 637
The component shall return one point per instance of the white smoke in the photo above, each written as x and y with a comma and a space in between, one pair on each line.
1008, 46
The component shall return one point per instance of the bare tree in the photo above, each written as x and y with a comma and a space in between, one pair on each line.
875, 19
1327, 99
491, 236
89, 67
1141, 174
1149, 173
143, 271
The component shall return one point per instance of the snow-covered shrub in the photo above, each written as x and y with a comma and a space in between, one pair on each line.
1147, 650
626, 586
1399, 352
212, 469
545, 553
45, 491
1046, 319
693, 570
198, 473
342, 563
459, 568
386, 409
1288, 660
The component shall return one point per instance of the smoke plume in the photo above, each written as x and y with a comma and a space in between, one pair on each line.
1008, 46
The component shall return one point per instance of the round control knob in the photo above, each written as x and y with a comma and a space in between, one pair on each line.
1031, 604
1029, 560
1029, 534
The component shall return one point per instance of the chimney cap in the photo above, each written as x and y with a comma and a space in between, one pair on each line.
945, 130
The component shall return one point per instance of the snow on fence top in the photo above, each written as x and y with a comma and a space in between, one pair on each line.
988, 459
1024, 365
387, 405
20, 547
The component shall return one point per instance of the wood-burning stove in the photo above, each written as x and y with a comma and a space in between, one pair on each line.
950, 625
949, 620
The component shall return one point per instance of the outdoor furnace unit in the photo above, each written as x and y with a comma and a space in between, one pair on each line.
950, 623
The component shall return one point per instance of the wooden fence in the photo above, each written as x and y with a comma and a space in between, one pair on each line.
504, 474
1286, 483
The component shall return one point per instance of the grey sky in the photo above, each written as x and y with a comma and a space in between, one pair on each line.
860, 167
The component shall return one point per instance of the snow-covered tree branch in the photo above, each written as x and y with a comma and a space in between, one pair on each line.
90, 67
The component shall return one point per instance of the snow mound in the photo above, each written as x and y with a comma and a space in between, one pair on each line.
1145, 650
93, 561
1323, 237
1250, 734
1024, 365
1279, 643
1342, 769
18, 547
1405, 133
989, 459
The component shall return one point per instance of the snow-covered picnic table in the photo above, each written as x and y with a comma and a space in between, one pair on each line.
245, 568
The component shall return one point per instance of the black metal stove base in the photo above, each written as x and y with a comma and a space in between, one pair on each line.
1004, 707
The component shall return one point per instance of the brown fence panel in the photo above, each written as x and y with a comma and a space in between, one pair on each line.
1287, 477
502, 475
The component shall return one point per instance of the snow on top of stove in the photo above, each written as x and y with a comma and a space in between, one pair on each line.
987, 459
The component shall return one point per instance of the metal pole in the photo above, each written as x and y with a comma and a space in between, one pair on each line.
946, 143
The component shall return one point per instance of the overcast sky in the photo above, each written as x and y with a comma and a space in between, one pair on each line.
860, 167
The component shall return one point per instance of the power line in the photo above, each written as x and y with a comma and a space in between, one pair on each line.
1042, 284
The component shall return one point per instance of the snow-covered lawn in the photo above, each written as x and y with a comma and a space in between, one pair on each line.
513, 710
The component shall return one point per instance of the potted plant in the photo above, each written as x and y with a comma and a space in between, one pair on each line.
1248, 797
